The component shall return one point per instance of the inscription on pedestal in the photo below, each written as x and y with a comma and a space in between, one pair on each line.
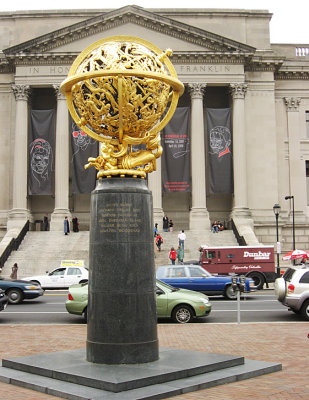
120, 218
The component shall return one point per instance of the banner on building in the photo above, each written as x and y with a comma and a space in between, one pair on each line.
220, 150
41, 152
175, 140
83, 147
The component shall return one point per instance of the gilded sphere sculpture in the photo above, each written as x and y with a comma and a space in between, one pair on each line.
122, 91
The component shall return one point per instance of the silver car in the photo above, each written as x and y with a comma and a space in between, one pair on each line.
292, 290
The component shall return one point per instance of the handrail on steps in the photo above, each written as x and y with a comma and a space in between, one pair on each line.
240, 239
14, 244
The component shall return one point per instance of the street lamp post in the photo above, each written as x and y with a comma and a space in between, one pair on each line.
288, 198
276, 209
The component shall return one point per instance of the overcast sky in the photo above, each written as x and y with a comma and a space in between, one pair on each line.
290, 21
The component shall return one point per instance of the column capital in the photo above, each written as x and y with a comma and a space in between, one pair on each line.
21, 92
196, 90
238, 90
292, 103
59, 94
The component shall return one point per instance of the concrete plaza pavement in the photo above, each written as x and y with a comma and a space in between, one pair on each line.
286, 343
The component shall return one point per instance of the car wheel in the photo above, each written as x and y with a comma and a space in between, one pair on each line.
85, 315
258, 278
14, 296
305, 310
229, 293
182, 314
83, 281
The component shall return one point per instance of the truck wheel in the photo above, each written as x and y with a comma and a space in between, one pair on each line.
258, 278
305, 310
229, 293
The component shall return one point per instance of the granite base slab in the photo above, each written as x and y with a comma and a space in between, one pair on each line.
68, 374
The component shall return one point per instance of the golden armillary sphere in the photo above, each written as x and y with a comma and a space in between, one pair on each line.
117, 91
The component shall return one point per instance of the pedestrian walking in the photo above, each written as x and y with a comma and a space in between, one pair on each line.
66, 226
173, 255
155, 231
14, 271
181, 239
180, 255
159, 241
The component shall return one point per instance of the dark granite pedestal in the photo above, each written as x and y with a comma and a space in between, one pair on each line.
68, 374
122, 322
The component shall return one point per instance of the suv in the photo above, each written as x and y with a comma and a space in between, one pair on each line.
292, 290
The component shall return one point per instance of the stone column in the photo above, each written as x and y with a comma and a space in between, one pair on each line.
199, 216
61, 164
240, 209
20, 213
155, 186
296, 163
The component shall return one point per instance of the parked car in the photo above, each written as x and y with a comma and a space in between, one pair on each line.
179, 304
61, 278
3, 300
19, 290
194, 277
292, 290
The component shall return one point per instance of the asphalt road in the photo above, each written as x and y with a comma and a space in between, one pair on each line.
260, 306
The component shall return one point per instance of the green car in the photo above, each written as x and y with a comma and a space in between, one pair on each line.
179, 304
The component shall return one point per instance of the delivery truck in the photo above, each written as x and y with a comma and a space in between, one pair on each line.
256, 262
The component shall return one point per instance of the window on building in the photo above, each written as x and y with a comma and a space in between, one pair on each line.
307, 181
307, 123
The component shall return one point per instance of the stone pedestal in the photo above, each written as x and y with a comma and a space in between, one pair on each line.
122, 323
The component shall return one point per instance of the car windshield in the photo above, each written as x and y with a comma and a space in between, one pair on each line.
163, 285
59, 271
287, 276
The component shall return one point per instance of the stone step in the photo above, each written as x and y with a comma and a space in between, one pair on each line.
70, 376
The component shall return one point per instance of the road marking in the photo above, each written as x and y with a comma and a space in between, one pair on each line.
274, 310
36, 312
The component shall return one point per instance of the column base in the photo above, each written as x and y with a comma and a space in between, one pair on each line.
199, 219
17, 218
158, 215
241, 212
57, 217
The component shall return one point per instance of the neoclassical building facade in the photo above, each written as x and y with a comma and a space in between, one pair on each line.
225, 60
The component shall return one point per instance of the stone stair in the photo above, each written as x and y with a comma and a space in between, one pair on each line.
192, 243
43, 251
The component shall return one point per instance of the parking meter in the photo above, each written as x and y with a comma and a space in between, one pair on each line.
242, 283
234, 283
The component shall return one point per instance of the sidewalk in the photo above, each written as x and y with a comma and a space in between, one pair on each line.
278, 342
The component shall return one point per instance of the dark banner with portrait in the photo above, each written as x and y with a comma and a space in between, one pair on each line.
175, 140
220, 150
41, 141
83, 147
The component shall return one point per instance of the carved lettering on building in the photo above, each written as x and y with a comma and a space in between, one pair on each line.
200, 69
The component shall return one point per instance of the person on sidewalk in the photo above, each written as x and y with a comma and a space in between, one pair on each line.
171, 224
181, 239
45, 222
14, 271
173, 255
180, 255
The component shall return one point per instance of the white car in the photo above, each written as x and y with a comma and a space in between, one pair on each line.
61, 278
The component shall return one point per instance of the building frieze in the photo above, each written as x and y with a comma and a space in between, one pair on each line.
135, 15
